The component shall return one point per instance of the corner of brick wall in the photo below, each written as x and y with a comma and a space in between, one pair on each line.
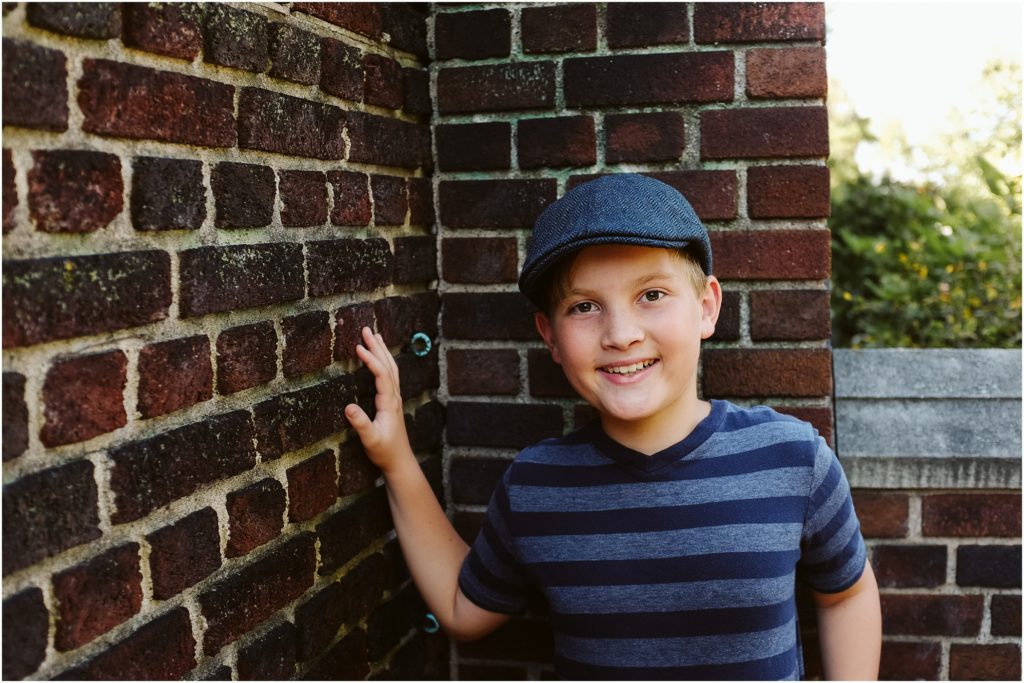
201, 204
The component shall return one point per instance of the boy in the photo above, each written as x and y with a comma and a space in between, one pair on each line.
666, 535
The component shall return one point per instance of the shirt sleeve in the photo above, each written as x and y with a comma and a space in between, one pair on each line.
491, 575
832, 547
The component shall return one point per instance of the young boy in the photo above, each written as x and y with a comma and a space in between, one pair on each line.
667, 535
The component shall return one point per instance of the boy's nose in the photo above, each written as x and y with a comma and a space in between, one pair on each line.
621, 330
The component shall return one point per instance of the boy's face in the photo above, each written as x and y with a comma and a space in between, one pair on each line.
627, 335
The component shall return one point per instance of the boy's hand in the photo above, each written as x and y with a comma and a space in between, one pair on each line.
384, 437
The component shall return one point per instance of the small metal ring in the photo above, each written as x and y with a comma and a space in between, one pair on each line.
421, 344
431, 624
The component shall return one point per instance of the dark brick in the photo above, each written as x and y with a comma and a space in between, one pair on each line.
291, 421
428, 426
657, 23
10, 192
388, 142
246, 357
675, 78
995, 566
520, 640
474, 146
473, 479
966, 514
786, 132
791, 72
48, 512
382, 85
363, 18
318, 619
351, 198
35, 90
303, 198
312, 487
494, 315
64, 297
271, 658
418, 374
26, 629
390, 202
346, 661
357, 473
153, 472
348, 265
907, 661
480, 260
483, 371
499, 87
174, 375
415, 259
392, 621
416, 92
644, 137
243, 600
909, 566
346, 533
728, 326
571, 28
97, 20
789, 315
494, 203
15, 416
167, 194
74, 191
546, 377
341, 70
968, 662
83, 397
243, 195
307, 343
255, 516
235, 38
122, 100
421, 201
557, 142
741, 22
348, 324
272, 122
767, 372
215, 279
163, 649
406, 25
171, 29
932, 615
294, 54
501, 425
772, 254
477, 34
400, 317
468, 524
96, 596
1006, 611
184, 553
788, 192
882, 515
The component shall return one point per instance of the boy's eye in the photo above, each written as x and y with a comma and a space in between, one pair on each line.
582, 307
653, 295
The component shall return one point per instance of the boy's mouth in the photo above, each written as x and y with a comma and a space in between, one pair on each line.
629, 369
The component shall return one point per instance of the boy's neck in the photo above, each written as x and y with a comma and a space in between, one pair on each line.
655, 434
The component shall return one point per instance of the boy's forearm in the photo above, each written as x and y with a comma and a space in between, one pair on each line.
850, 632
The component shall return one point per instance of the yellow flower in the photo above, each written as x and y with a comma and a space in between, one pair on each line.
847, 296
879, 247
982, 266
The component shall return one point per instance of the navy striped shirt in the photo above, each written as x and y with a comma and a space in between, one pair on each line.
678, 565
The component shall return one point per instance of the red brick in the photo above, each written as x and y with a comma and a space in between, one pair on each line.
474, 146
83, 397
493, 315
767, 372
97, 20
291, 421
348, 324
246, 357
415, 259
789, 315
35, 91
48, 512
358, 474
26, 623
318, 620
498, 87
473, 35
383, 81
346, 661
348, 265
163, 649
170, 29
984, 662
351, 198
644, 137
909, 566
235, 38
243, 195
363, 18
255, 516
294, 54
740, 22
494, 203
74, 191
673, 78
791, 72
932, 615
388, 142
557, 142
727, 328
10, 192
483, 371
421, 201
416, 92
546, 377
786, 132
184, 553
995, 566
406, 27
418, 374
174, 375
122, 100
570, 28
167, 194
657, 23
348, 532
772, 254
520, 640
15, 416
819, 418
341, 70
400, 317
479, 260
965, 514
215, 279
153, 472
244, 600
788, 192
501, 425
271, 658
390, 202
96, 596
303, 198
882, 515
906, 661
1006, 610
272, 122
390, 623
307, 343
312, 487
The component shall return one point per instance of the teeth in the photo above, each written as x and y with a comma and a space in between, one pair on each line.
629, 369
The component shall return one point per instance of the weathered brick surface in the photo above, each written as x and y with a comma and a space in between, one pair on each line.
474, 35
348, 265
1006, 613
659, 23
357, 473
557, 142
271, 658
772, 254
246, 357
346, 661
390, 201
474, 479
494, 203
788, 192
737, 22
500, 315
272, 122
909, 566
235, 38
255, 516
984, 662
243, 195
406, 26
10, 192
294, 54
415, 259
782, 132
26, 623
83, 397
184, 553
480, 371
474, 146
790, 72
97, 20
882, 515
421, 202
643, 137
391, 622
163, 649
965, 514
503, 425
416, 92
362, 18
299, 418
383, 84
727, 328
348, 324
351, 198
341, 70
388, 142
170, 29
15, 416
903, 661
400, 317
215, 279
307, 343
74, 191
789, 315
303, 198
167, 194
479, 260
502, 87
995, 566
932, 615
96, 596
767, 372
35, 91
312, 487
673, 78
570, 28
546, 379
345, 533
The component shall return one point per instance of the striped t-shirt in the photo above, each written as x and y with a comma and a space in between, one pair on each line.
678, 565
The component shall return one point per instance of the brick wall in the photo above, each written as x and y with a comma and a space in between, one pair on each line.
200, 206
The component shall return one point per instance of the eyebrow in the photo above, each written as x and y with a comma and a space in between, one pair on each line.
638, 282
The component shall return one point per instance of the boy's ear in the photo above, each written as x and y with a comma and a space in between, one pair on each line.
711, 306
547, 333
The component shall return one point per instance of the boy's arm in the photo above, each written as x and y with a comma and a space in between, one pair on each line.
850, 630
433, 550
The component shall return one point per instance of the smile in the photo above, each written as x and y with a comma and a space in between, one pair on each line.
629, 369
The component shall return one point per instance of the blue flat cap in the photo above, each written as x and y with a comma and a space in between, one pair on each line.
628, 208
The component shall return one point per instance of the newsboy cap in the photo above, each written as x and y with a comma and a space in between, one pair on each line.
627, 208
